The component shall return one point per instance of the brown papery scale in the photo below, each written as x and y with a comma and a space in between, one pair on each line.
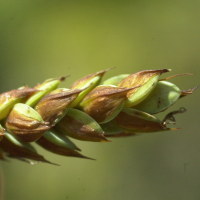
81, 82
139, 79
103, 101
43, 142
25, 128
78, 130
52, 106
21, 153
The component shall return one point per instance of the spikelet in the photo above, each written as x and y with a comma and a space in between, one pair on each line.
88, 111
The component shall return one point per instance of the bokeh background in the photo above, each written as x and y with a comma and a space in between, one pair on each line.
40, 39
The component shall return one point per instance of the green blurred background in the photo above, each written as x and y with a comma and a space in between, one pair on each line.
40, 39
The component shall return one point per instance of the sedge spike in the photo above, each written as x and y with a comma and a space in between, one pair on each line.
89, 110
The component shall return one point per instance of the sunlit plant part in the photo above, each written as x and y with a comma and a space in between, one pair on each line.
89, 110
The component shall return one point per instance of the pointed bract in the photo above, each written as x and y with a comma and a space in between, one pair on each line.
9, 99
45, 87
25, 123
59, 139
81, 126
104, 102
138, 121
87, 83
145, 81
55, 104
19, 150
60, 150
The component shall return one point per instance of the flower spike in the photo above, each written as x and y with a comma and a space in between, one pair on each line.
121, 106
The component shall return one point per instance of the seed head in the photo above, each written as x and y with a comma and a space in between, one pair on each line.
122, 106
